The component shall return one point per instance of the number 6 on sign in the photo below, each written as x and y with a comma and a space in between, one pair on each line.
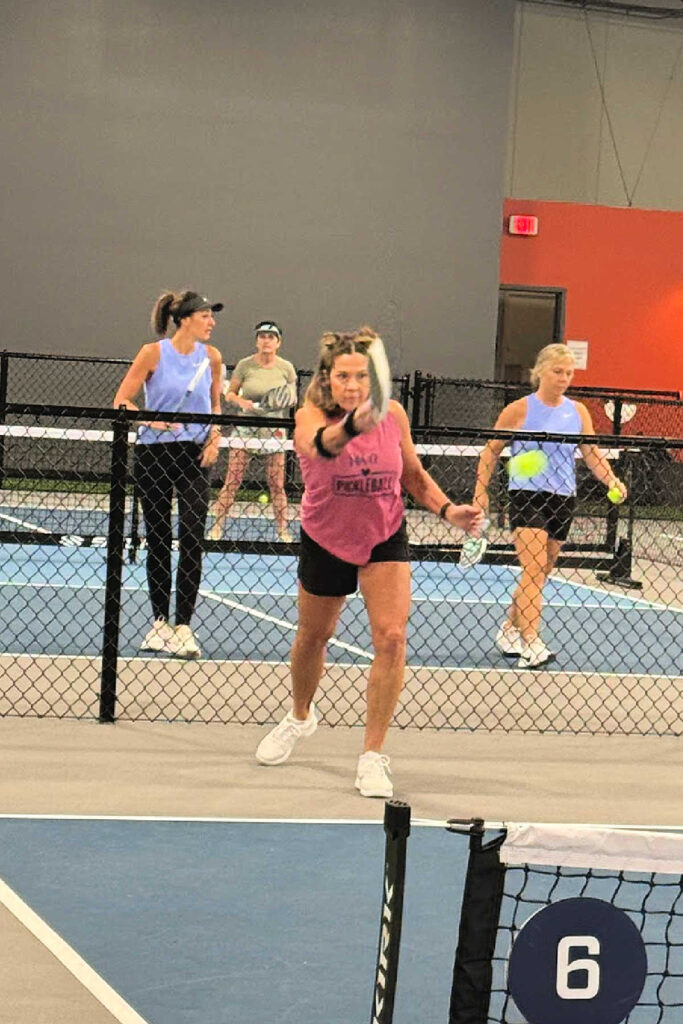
577, 961
567, 967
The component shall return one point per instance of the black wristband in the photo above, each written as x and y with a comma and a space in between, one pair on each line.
348, 426
320, 447
444, 508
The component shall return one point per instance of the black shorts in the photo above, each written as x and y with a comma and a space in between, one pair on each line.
325, 575
542, 510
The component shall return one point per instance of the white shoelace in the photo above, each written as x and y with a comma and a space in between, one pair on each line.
378, 764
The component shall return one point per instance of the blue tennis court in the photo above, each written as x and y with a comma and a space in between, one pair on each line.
200, 921
224, 922
247, 606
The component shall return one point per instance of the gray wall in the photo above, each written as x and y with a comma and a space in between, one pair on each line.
596, 109
325, 163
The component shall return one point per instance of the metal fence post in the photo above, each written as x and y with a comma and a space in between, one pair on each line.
417, 399
115, 545
4, 375
622, 563
612, 531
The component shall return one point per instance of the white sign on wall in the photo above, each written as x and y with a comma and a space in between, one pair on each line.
580, 350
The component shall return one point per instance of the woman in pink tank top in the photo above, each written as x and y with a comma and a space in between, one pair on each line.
353, 534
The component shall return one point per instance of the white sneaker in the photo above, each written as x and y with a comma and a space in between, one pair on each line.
373, 776
509, 641
535, 654
183, 644
216, 531
159, 637
286, 536
280, 741
474, 548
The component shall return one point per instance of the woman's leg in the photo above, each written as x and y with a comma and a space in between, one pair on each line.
553, 549
238, 460
192, 487
156, 495
275, 477
531, 545
386, 589
317, 620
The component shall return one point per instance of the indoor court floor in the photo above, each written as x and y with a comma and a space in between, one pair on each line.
268, 911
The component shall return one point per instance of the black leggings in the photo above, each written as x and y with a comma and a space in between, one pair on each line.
161, 469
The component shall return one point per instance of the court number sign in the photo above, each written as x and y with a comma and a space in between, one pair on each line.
578, 961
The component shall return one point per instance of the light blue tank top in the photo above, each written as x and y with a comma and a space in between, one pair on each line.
559, 476
166, 390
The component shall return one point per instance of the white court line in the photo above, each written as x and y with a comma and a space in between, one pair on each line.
67, 586
69, 958
484, 670
585, 673
219, 594
24, 523
505, 599
280, 622
639, 601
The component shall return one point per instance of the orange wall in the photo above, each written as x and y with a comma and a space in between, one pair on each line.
623, 271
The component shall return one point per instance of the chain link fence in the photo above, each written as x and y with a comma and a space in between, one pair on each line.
429, 401
77, 607
445, 402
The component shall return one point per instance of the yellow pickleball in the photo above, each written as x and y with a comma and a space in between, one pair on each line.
527, 464
615, 496
263, 499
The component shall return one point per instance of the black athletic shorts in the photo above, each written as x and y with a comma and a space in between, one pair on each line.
542, 510
325, 575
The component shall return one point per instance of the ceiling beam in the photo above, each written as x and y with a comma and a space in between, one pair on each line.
654, 13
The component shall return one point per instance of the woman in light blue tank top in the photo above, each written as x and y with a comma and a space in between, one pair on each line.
541, 507
180, 373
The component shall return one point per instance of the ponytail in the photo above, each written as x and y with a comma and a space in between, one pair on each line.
167, 308
161, 313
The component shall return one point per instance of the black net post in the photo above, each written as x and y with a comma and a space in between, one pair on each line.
115, 545
397, 830
417, 399
404, 390
134, 545
621, 570
430, 398
613, 511
481, 902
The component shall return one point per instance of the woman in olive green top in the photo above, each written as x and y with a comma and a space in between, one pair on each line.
251, 378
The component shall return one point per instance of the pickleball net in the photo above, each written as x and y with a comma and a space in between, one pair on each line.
619, 664
55, 477
514, 872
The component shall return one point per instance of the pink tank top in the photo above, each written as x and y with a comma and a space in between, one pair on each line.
353, 502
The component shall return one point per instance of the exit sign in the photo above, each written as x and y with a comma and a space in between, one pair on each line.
522, 225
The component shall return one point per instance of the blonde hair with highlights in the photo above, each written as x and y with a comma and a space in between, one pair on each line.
332, 345
555, 353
